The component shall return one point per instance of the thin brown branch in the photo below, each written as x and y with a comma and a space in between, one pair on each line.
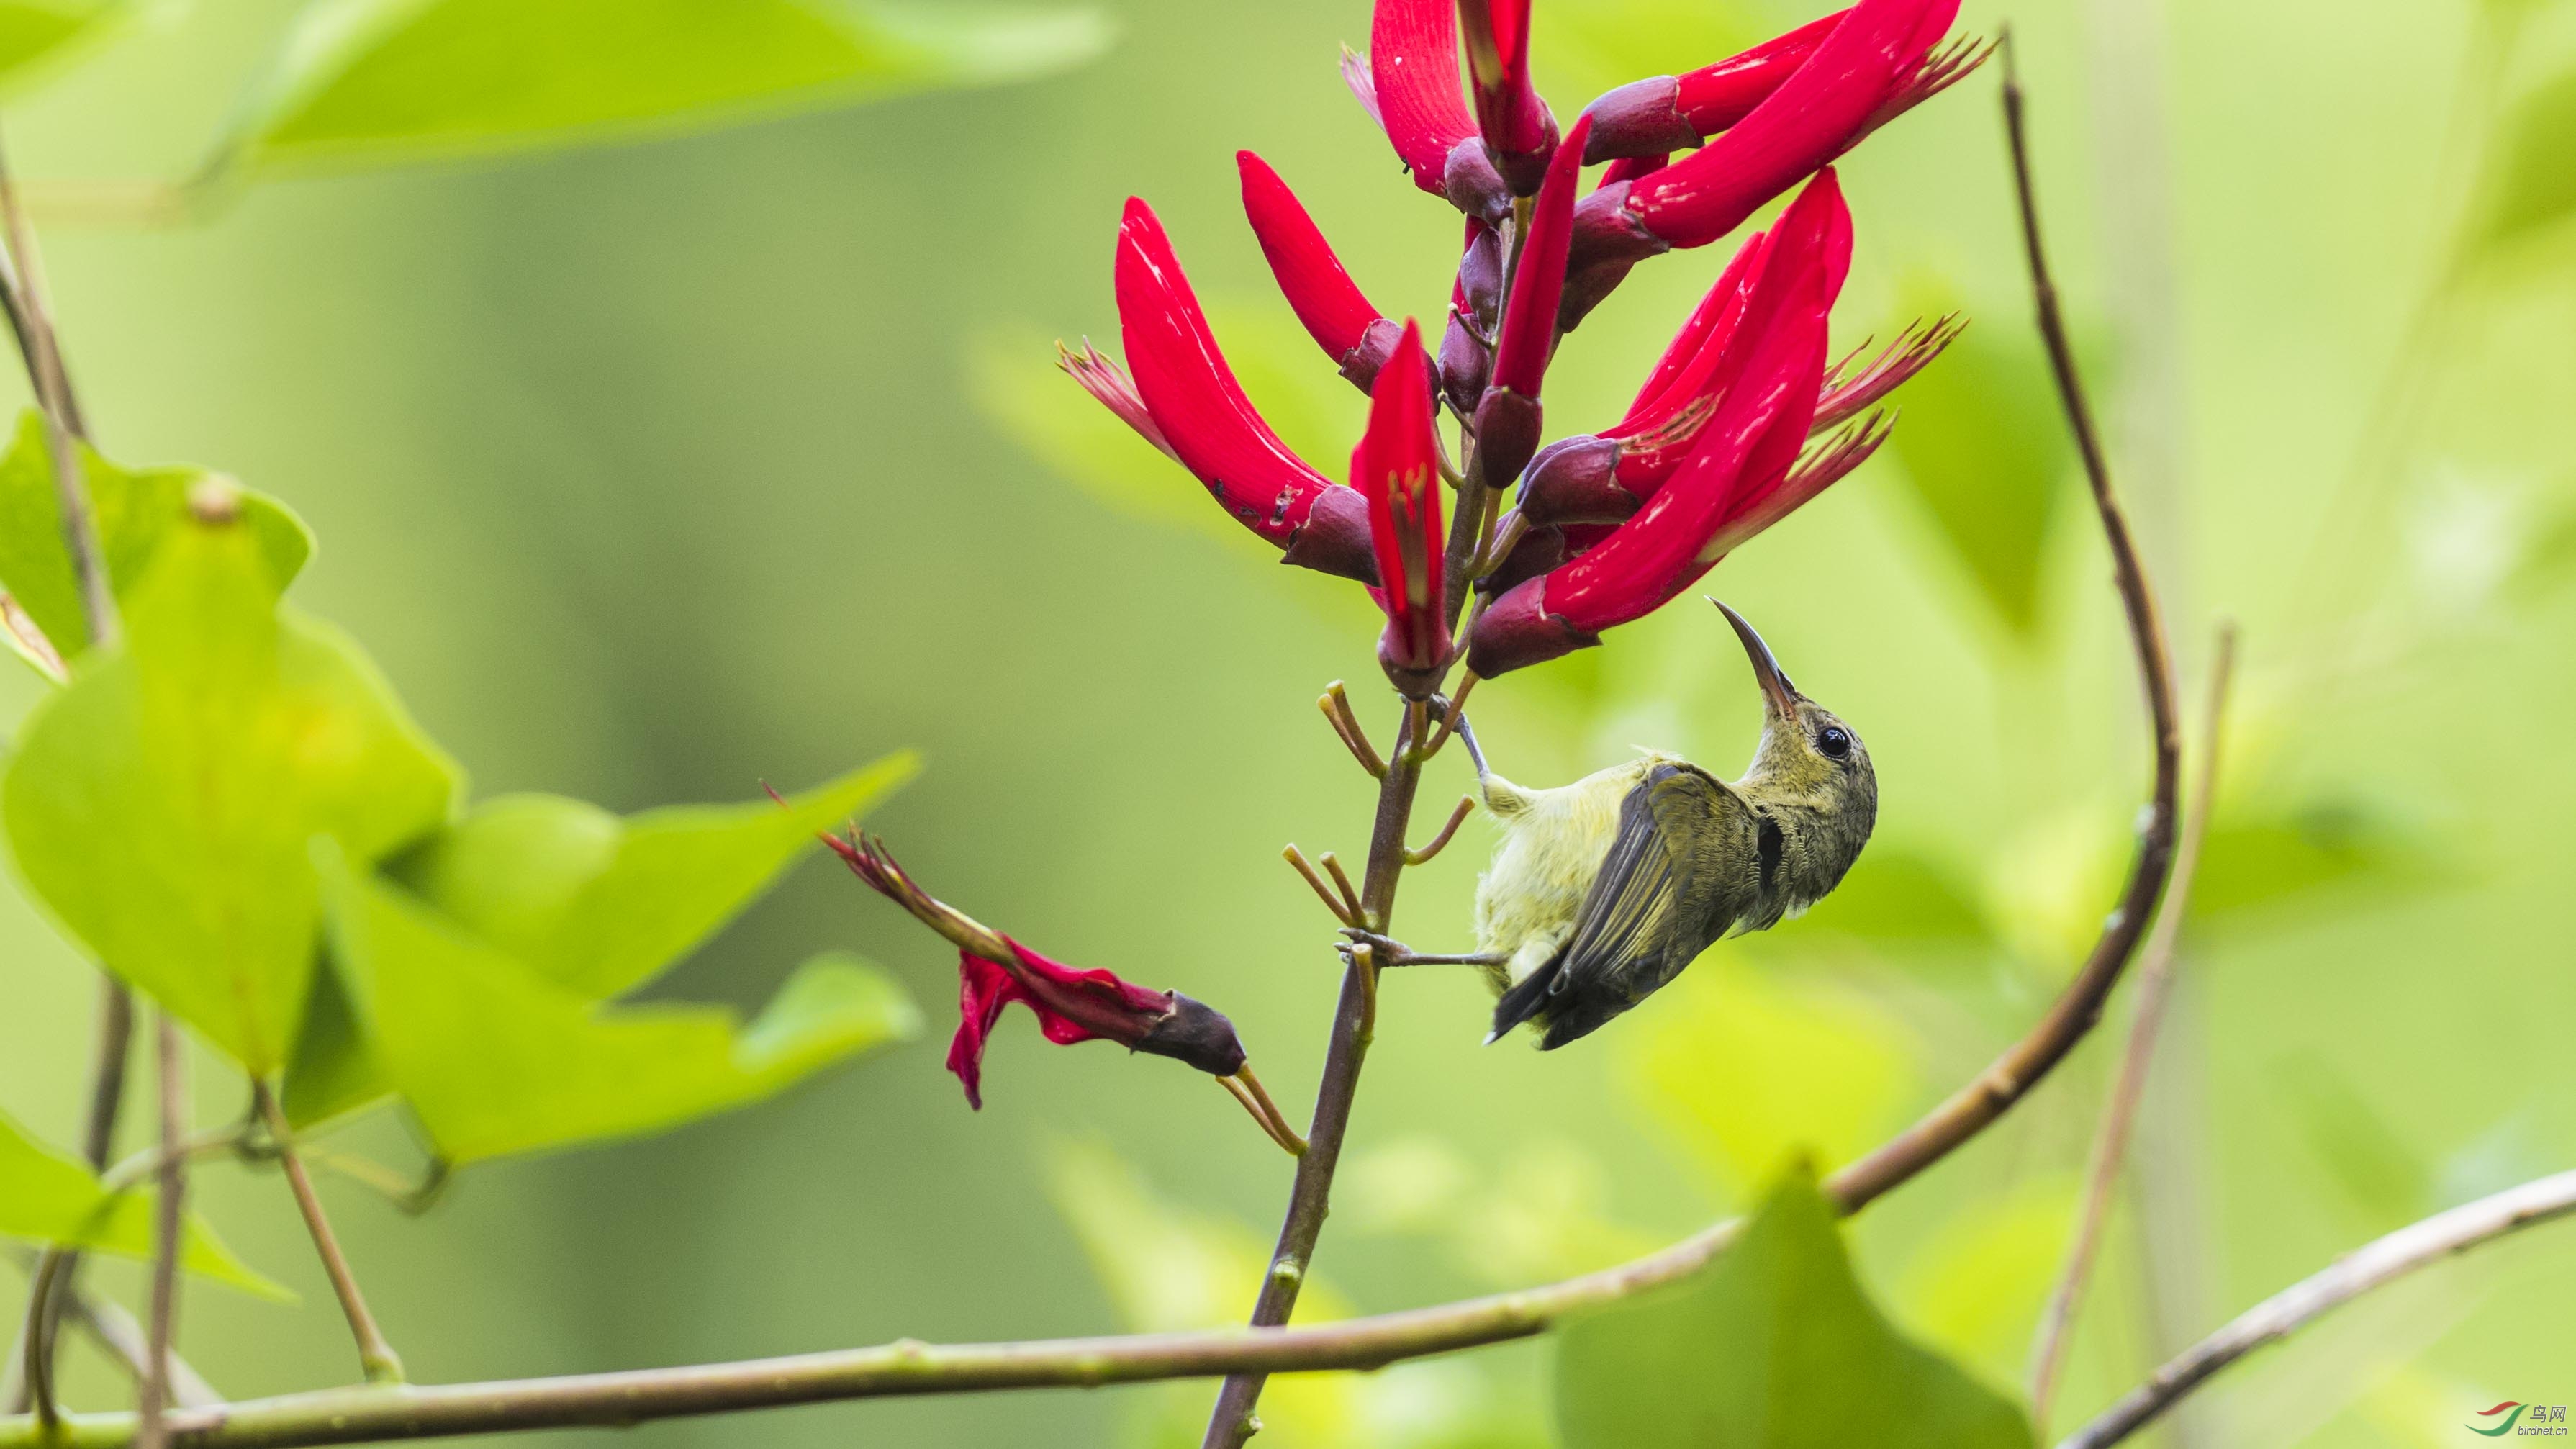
2012, 1075
1457, 817
2155, 990
2418, 1245
1335, 702
169, 1226
119, 1335
1323, 892
375, 1356
31, 316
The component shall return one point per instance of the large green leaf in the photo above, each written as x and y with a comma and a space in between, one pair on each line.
599, 904
333, 1070
1774, 1346
41, 30
2529, 186
137, 509
362, 82
495, 1058
161, 805
1987, 457
48, 1197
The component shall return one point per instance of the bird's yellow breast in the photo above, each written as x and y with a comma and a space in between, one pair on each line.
1553, 844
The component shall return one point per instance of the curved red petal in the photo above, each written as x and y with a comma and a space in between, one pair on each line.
1413, 58
1396, 467
1529, 313
1319, 291
1519, 131
983, 989
1191, 392
1715, 97
1803, 124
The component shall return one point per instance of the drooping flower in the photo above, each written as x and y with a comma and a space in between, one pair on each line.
1519, 132
1661, 114
1875, 61
1335, 312
1071, 1005
1413, 74
1509, 417
1742, 475
1204, 420
1397, 468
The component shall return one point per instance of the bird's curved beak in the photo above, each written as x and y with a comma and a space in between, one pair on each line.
1780, 697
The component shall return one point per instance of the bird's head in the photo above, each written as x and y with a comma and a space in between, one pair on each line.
1809, 762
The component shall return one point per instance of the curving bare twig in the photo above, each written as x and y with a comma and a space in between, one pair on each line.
2417, 1245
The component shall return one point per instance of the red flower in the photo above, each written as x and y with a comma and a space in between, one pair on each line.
1673, 113
1413, 73
1322, 294
1397, 468
1876, 61
1606, 477
1205, 421
1519, 132
1743, 474
1071, 1005
1509, 417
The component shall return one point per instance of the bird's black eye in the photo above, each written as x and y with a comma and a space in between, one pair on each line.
1836, 742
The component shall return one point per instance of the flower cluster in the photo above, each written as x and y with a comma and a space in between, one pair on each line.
1739, 423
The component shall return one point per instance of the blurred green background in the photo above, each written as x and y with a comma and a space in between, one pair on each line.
654, 470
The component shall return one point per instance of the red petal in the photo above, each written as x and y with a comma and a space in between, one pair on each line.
1529, 313
1397, 468
983, 989
1186, 384
1715, 97
1519, 133
1320, 292
1769, 382
1682, 373
1826, 104
1413, 58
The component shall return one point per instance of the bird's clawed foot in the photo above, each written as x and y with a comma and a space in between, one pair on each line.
1387, 951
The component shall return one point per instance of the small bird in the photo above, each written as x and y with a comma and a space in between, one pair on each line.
1603, 890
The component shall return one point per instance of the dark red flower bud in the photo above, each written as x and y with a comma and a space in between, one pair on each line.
1478, 288
1740, 477
1519, 131
1877, 55
1576, 480
1465, 364
1207, 422
1397, 468
1508, 417
1319, 291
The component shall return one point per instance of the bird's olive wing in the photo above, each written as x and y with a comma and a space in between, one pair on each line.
1679, 872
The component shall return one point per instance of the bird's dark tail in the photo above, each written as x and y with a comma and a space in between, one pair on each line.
1527, 998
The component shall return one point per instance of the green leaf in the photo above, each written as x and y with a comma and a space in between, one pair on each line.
1987, 456
1774, 1346
496, 1059
372, 82
2264, 858
42, 30
599, 904
161, 804
333, 1072
137, 510
2528, 186
48, 1197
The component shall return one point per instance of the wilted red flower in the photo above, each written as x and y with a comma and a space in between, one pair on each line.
1743, 474
1319, 291
1205, 421
1875, 61
1509, 417
1397, 468
1413, 73
1071, 1005
1519, 131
